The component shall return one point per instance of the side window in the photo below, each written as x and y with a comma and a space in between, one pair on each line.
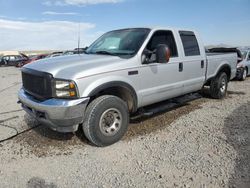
249, 56
6, 58
18, 57
163, 37
190, 44
12, 58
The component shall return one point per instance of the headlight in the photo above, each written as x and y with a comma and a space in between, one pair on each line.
65, 89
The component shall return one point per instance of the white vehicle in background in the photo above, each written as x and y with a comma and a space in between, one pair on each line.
243, 68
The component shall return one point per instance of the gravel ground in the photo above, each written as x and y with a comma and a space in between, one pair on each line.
197, 143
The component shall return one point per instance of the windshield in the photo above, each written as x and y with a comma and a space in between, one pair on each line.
119, 42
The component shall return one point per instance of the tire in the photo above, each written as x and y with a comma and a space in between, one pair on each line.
218, 86
106, 120
243, 76
19, 65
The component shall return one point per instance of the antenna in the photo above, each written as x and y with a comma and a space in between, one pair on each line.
79, 38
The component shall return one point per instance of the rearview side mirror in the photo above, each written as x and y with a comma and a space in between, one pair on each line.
162, 53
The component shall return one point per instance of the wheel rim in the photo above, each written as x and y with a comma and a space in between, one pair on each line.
110, 122
223, 85
244, 74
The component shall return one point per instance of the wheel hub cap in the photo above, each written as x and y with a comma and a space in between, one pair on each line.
223, 86
110, 122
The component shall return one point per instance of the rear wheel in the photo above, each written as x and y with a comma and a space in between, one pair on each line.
106, 120
218, 86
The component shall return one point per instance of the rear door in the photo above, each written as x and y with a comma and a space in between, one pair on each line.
194, 62
12, 60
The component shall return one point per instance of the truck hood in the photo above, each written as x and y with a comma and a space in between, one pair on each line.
75, 65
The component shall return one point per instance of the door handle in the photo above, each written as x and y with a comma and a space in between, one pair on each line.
202, 64
180, 67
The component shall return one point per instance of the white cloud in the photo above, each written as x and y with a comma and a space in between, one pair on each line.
59, 13
89, 2
22, 18
23, 35
78, 2
53, 2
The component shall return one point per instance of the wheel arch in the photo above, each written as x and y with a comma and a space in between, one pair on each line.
224, 68
120, 89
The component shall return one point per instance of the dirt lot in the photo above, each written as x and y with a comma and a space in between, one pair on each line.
198, 143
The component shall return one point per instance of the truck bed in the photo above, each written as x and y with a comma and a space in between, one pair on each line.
215, 60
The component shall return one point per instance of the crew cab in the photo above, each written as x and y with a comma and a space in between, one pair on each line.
121, 72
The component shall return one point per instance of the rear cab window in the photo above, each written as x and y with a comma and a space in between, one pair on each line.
190, 43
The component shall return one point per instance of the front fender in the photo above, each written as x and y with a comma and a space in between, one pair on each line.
111, 81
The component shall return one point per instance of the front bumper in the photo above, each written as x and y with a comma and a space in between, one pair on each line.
61, 115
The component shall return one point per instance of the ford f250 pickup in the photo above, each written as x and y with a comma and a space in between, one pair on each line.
121, 72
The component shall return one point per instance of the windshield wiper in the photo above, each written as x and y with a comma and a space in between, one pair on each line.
104, 52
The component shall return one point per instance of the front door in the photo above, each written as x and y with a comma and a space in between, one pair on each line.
161, 81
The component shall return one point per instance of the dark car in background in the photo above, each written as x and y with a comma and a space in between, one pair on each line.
75, 51
19, 59
32, 59
68, 52
13, 60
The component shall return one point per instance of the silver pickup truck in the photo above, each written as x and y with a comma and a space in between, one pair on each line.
121, 72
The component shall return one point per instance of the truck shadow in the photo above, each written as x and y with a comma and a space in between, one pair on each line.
161, 115
237, 130
236, 93
41, 141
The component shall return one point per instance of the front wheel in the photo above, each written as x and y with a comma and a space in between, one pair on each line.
218, 86
106, 120
19, 64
